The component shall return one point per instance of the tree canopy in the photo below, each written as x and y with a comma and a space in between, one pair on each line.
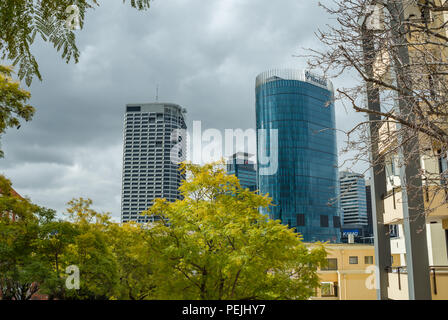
13, 102
213, 244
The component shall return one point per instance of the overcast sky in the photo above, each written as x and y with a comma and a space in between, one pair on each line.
203, 54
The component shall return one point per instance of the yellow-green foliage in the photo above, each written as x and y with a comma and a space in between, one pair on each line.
213, 244
13, 100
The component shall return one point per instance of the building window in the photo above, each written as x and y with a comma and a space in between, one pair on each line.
328, 289
393, 231
332, 264
133, 109
368, 260
300, 220
353, 260
324, 221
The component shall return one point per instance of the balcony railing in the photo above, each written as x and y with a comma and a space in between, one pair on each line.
399, 271
439, 279
434, 276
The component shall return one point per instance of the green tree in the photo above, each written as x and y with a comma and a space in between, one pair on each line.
21, 267
54, 240
129, 243
13, 102
91, 253
214, 244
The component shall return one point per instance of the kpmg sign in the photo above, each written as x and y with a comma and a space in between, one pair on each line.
310, 77
346, 232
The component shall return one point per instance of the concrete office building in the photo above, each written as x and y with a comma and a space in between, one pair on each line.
154, 144
353, 201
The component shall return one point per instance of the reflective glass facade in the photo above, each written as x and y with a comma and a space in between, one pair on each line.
244, 169
304, 187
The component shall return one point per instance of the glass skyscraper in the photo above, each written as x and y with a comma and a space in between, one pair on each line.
244, 169
299, 107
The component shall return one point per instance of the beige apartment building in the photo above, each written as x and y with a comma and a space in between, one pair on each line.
409, 239
435, 211
350, 274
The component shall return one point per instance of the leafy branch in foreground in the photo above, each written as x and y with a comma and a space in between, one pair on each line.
22, 20
13, 106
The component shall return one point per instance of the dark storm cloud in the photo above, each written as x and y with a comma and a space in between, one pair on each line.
203, 54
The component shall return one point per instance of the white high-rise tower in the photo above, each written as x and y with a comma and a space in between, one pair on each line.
154, 145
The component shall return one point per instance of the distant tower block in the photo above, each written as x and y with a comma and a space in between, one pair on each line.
244, 169
153, 132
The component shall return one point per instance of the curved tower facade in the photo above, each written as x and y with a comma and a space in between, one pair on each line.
296, 109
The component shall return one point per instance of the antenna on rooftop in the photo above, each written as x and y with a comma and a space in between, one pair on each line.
157, 93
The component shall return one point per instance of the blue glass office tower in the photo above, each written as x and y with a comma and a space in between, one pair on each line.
305, 183
244, 169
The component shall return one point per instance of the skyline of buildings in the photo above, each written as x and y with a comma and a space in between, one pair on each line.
399, 52
310, 204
